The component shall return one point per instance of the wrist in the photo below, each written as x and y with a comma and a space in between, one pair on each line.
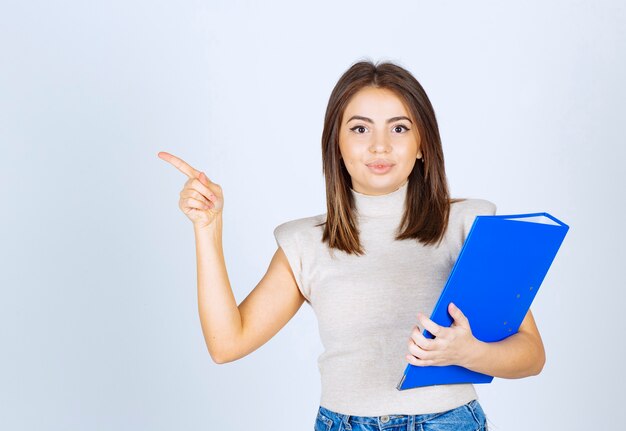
214, 228
477, 351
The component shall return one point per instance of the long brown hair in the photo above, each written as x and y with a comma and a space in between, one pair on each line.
427, 204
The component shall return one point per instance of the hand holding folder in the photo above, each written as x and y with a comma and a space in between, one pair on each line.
500, 268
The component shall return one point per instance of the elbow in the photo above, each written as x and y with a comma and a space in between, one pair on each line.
539, 363
224, 356
216, 351
542, 363
222, 353
218, 357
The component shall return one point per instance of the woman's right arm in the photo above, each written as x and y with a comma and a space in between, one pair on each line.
230, 331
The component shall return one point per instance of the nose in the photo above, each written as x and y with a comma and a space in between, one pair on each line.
380, 144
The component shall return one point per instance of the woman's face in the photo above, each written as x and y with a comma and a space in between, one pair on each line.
378, 141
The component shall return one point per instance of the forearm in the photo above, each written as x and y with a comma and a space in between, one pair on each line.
217, 306
517, 356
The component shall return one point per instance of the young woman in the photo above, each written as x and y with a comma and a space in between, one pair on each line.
375, 262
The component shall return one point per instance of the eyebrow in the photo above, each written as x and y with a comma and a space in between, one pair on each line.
369, 120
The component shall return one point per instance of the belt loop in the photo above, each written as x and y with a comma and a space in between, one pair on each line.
345, 419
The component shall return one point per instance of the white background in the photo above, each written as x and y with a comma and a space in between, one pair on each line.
99, 326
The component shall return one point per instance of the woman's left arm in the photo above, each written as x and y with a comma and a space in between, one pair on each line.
519, 355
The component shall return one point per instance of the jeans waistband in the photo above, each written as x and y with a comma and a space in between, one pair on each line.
388, 421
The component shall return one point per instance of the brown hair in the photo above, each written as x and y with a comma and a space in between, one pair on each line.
427, 204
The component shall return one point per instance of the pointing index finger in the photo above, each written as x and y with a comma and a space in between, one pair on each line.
180, 164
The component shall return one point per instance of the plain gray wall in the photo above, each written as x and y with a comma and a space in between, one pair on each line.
99, 323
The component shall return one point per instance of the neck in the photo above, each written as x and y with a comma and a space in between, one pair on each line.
387, 205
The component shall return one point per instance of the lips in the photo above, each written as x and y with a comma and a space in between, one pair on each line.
380, 166
380, 163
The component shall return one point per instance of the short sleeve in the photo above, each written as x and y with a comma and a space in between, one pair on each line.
288, 239
476, 207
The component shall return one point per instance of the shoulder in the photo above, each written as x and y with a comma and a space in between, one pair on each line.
300, 227
463, 213
472, 207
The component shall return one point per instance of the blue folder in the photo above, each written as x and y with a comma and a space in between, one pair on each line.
495, 278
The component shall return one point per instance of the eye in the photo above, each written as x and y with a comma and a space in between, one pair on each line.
400, 126
361, 129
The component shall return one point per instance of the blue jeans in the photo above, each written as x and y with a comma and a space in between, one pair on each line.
468, 417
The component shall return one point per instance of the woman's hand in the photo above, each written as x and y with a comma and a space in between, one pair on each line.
200, 199
451, 346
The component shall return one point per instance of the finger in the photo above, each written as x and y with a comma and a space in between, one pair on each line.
196, 204
418, 338
179, 164
208, 192
429, 325
216, 188
190, 193
418, 352
418, 362
205, 180
458, 316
